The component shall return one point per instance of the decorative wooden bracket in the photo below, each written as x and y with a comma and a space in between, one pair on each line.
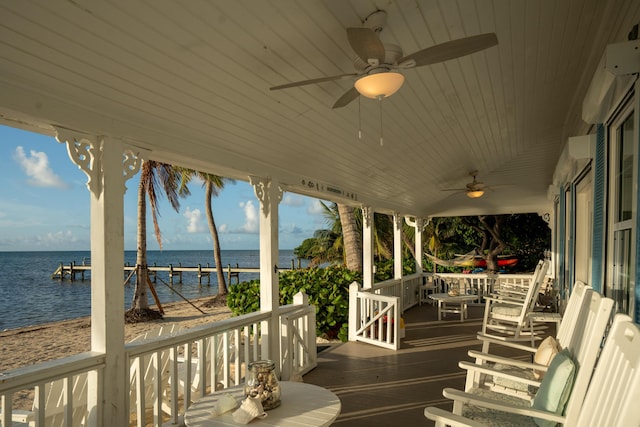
262, 187
86, 152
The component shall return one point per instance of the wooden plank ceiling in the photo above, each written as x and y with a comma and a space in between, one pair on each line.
190, 81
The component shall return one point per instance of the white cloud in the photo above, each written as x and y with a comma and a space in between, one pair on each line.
64, 239
315, 208
223, 228
195, 223
250, 217
291, 229
292, 200
36, 166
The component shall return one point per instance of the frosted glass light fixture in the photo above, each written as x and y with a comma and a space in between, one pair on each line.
379, 85
475, 194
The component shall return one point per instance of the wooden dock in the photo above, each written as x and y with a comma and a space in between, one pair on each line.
72, 270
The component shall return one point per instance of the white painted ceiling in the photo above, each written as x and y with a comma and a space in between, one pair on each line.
189, 80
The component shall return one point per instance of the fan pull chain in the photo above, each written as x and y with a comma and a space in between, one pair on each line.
359, 121
381, 135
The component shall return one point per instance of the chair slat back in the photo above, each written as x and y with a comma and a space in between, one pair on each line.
587, 349
574, 316
614, 392
536, 284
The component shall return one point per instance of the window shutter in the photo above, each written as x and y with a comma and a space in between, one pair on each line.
562, 241
599, 220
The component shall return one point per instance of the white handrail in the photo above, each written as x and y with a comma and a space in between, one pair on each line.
217, 354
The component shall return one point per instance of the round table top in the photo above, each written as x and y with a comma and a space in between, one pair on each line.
461, 297
303, 405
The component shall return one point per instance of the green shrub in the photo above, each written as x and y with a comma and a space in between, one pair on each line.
327, 288
385, 268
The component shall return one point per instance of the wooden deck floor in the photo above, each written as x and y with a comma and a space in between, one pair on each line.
380, 387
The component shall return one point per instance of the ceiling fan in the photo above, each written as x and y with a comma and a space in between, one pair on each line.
376, 63
474, 189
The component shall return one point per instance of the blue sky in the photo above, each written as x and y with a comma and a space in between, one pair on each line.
44, 206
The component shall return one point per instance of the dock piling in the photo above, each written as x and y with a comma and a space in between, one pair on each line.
70, 271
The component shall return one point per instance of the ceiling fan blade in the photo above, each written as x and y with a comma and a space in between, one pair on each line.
449, 50
313, 81
366, 44
346, 98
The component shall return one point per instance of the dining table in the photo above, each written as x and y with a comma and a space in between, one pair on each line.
302, 405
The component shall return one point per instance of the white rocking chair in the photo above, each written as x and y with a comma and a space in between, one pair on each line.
506, 312
581, 314
606, 396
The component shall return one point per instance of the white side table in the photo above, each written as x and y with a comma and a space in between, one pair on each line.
453, 304
303, 405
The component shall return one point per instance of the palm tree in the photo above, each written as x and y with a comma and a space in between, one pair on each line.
153, 176
343, 241
438, 230
212, 184
351, 237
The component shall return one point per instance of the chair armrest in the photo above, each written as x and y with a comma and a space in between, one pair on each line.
21, 416
472, 367
511, 291
470, 399
506, 300
488, 357
442, 417
493, 339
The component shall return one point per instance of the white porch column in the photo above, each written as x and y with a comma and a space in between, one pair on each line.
419, 228
367, 247
107, 167
269, 194
397, 245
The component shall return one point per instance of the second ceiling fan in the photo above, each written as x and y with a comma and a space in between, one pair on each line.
376, 63
475, 189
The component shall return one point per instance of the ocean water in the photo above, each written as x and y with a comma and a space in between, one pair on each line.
29, 296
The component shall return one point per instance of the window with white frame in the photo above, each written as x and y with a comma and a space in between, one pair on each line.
623, 151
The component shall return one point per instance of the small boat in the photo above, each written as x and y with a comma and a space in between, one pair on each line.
506, 261
475, 261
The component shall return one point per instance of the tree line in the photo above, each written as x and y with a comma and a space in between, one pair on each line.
525, 236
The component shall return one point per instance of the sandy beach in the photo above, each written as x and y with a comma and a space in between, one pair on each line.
34, 344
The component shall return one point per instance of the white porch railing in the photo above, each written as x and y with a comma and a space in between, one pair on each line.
375, 313
184, 364
411, 290
480, 284
407, 289
55, 385
297, 345
374, 318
